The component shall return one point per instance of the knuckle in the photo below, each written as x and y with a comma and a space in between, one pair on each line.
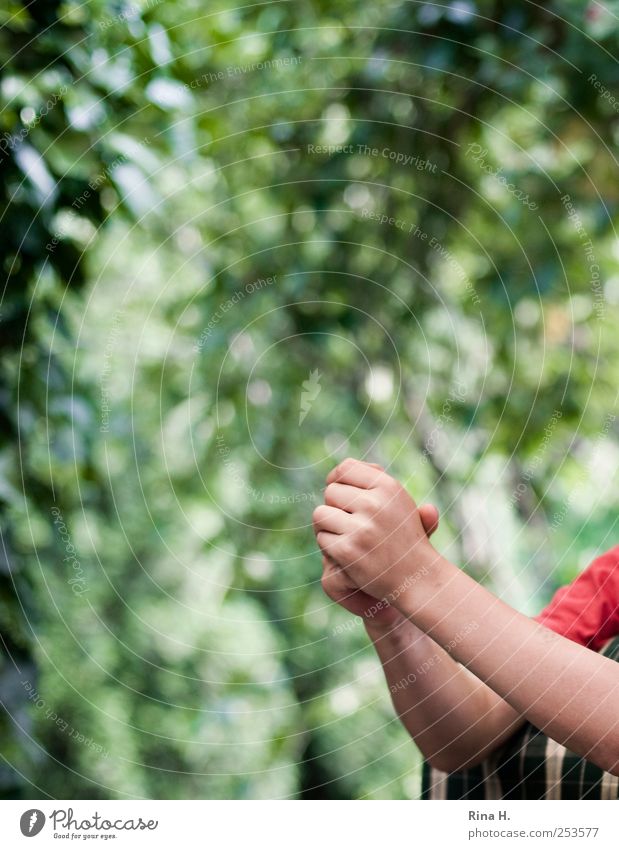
365, 535
330, 491
319, 513
365, 531
389, 484
320, 539
346, 548
327, 584
373, 503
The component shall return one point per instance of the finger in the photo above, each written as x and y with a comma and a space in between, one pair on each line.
331, 519
429, 516
328, 564
344, 496
326, 541
356, 473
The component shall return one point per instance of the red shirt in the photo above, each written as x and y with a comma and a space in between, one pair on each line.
587, 610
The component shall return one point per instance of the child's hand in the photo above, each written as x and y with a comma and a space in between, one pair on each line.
338, 586
372, 529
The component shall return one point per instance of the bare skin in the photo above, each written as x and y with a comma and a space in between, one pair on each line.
486, 667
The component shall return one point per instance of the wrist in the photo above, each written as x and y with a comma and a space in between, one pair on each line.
423, 584
398, 631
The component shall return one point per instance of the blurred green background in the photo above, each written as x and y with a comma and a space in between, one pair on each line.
239, 243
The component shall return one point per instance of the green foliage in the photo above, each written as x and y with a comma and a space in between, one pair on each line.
207, 213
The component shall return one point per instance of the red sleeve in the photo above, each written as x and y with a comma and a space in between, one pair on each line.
587, 610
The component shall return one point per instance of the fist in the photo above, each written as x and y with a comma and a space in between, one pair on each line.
371, 528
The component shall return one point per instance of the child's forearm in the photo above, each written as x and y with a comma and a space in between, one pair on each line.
455, 719
563, 688
371, 528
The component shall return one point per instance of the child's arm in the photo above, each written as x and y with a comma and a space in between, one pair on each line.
565, 689
371, 528
454, 718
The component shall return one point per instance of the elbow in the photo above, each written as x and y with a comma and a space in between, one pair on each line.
604, 754
608, 761
455, 758
454, 761
443, 764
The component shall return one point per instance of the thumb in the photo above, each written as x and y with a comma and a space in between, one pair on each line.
429, 516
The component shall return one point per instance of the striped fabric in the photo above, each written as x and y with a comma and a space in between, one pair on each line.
528, 766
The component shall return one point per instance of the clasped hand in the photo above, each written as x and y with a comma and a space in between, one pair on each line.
373, 538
